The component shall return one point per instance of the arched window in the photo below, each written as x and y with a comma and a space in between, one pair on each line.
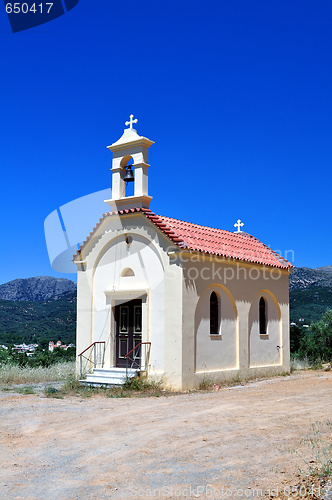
262, 316
214, 314
127, 272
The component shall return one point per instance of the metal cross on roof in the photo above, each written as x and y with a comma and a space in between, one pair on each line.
238, 224
131, 121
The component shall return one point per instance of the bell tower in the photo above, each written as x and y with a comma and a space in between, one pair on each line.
135, 147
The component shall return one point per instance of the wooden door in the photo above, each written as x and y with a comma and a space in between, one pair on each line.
128, 328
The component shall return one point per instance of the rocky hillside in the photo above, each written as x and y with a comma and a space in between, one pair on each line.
39, 289
36, 309
303, 278
310, 293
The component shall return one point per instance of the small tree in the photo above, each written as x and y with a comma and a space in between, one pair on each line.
296, 338
317, 343
43, 343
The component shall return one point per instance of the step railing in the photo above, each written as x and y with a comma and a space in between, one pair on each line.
92, 357
138, 358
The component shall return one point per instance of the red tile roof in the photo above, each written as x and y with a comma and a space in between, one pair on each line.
208, 240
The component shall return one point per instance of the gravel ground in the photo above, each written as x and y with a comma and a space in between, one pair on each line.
237, 442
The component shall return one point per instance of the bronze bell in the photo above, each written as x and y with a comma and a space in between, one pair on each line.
129, 176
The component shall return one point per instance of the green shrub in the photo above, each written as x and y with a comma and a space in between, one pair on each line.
141, 384
205, 384
314, 343
26, 390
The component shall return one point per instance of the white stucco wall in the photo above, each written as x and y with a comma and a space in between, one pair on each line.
148, 280
239, 350
216, 352
102, 285
265, 350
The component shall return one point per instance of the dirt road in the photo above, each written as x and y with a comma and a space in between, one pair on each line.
228, 443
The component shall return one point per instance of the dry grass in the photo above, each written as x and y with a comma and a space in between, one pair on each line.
134, 387
320, 442
300, 364
13, 374
207, 384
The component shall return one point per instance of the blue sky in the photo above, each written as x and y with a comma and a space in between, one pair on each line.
236, 95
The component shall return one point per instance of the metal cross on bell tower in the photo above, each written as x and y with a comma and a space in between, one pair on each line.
131, 121
238, 224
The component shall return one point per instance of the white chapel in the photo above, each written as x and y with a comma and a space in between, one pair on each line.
163, 298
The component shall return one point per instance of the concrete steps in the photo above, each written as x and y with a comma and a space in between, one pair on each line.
107, 376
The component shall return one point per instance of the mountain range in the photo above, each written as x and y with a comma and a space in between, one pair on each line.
44, 307
39, 289
303, 278
36, 309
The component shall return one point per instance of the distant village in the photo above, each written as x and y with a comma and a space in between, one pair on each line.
30, 349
